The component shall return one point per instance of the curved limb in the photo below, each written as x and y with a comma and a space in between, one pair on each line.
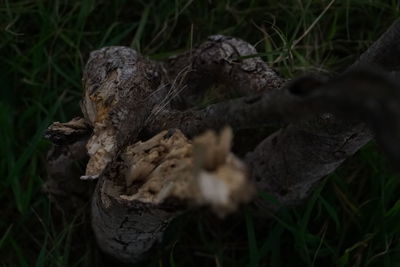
292, 160
229, 63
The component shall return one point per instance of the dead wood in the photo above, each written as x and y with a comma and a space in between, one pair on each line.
228, 65
288, 163
143, 185
152, 182
121, 89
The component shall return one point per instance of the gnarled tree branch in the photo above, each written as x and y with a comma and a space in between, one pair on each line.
143, 185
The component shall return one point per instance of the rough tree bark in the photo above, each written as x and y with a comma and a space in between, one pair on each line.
146, 143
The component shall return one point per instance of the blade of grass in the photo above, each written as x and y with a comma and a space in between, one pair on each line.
139, 31
251, 238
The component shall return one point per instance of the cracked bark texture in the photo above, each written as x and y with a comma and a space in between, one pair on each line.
129, 98
121, 89
128, 230
154, 181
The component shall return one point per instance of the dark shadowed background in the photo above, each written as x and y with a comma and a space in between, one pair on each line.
351, 219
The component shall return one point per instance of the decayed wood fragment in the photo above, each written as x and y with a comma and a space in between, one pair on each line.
154, 181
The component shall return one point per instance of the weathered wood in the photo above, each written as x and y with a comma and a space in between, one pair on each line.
229, 65
144, 185
121, 89
290, 162
152, 182
320, 144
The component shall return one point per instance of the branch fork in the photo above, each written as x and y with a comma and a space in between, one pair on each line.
153, 154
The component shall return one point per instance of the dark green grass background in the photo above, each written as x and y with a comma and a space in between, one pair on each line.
352, 219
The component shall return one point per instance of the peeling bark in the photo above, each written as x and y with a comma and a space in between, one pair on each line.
121, 89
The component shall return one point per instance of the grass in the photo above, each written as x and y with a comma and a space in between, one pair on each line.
352, 219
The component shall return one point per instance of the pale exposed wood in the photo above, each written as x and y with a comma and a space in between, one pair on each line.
154, 181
